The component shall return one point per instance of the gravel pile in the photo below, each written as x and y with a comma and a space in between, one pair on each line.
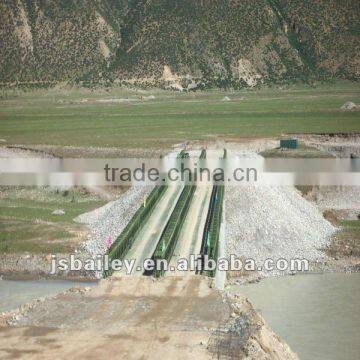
349, 105
273, 222
109, 220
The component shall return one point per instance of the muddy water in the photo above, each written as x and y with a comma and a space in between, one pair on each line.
317, 315
15, 293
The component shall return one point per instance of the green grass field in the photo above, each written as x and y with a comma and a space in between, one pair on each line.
28, 225
58, 117
345, 242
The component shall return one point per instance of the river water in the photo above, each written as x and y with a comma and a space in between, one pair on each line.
15, 293
317, 315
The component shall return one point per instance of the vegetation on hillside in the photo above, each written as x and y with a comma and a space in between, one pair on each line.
213, 42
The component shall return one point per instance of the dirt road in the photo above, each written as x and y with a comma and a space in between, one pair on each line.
140, 318
136, 318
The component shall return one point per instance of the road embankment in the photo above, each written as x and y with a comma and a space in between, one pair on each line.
184, 317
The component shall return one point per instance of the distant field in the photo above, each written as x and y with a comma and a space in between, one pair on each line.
59, 117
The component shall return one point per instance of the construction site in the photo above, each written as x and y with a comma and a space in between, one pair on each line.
179, 179
188, 311
181, 311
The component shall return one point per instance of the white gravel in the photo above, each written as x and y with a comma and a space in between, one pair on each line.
110, 219
349, 105
273, 222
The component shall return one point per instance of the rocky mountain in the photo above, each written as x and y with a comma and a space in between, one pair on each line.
178, 43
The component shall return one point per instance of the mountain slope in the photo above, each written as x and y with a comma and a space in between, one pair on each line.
162, 42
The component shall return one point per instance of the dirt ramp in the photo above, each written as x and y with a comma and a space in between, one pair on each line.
137, 318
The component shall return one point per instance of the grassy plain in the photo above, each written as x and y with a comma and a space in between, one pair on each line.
129, 119
28, 225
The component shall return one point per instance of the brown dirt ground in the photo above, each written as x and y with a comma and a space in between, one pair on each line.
132, 318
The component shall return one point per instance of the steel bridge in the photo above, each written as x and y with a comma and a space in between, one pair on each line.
166, 242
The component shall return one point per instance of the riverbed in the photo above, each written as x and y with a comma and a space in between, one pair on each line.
317, 315
14, 293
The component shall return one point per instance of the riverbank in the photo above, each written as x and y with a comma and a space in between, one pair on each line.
16, 293
227, 323
137, 316
308, 310
39, 266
